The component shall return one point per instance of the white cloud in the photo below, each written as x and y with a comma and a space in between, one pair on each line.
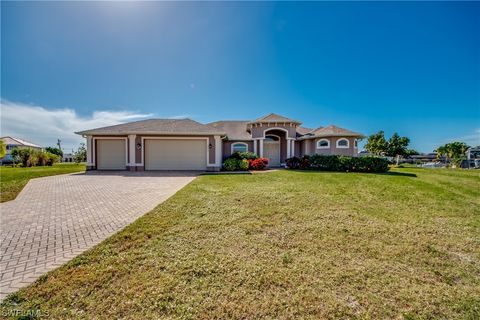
44, 126
472, 139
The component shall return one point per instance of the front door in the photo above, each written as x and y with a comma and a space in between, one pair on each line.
271, 150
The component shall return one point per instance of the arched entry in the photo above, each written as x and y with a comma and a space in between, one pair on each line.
271, 149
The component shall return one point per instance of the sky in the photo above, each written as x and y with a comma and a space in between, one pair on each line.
411, 68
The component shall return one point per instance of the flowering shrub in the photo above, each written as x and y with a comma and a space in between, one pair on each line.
258, 164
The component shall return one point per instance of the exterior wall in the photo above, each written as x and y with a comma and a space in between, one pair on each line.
258, 132
333, 150
298, 148
227, 147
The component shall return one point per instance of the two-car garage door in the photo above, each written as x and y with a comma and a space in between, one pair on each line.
175, 154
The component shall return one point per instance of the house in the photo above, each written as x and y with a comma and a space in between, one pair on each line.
67, 157
184, 144
12, 143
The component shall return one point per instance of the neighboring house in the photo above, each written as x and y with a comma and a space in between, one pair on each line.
184, 144
11, 143
67, 157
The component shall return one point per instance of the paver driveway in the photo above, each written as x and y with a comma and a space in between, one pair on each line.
56, 218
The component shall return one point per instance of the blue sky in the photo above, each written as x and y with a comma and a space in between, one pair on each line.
408, 67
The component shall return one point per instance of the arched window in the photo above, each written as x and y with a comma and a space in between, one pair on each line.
323, 144
272, 137
355, 144
239, 147
342, 143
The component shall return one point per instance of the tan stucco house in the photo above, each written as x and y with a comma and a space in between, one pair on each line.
184, 144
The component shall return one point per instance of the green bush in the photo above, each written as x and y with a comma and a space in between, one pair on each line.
29, 157
232, 164
339, 163
243, 155
243, 164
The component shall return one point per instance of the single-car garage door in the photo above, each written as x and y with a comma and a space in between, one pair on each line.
175, 154
111, 154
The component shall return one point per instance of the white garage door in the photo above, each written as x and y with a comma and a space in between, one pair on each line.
111, 154
175, 154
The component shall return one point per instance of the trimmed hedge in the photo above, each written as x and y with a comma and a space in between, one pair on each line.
338, 163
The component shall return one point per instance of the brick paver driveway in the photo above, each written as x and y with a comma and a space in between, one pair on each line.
56, 218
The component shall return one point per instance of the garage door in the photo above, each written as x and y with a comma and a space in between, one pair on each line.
175, 154
111, 154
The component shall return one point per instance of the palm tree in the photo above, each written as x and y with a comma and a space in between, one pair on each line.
3, 149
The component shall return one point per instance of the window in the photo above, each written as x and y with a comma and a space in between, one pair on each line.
323, 144
239, 147
342, 143
272, 138
355, 144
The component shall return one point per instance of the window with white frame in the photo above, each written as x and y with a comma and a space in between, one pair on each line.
342, 143
323, 144
355, 143
239, 147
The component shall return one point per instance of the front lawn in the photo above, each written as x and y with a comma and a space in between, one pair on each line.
12, 180
285, 245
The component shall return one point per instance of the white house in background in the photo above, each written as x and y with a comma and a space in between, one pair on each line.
11, 143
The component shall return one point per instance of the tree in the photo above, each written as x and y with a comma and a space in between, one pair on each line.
54, 150
455, 151
3, 149
376, 144
397, 146
80, 155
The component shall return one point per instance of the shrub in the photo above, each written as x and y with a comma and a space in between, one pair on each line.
339, 163
258, 164
231, 164
298, 162
243, 164
29, 157
243, 155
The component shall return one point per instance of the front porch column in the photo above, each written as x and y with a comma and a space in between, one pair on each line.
293, 148
131, 151
255, 146
90, 163
261, 148
288, 148
218, 151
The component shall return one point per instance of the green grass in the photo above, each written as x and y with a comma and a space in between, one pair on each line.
285, 245
12, 180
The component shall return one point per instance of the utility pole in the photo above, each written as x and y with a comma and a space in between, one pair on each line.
59, 144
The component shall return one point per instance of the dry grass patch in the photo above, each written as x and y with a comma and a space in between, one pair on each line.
285, 245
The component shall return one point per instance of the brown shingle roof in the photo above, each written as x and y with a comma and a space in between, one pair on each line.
334, 131
303, 130
272, 117
156, 126
235, 130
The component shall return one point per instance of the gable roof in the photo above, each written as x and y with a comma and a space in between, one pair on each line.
273, 117
334, 131
18, 142
156, 126
235, 130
